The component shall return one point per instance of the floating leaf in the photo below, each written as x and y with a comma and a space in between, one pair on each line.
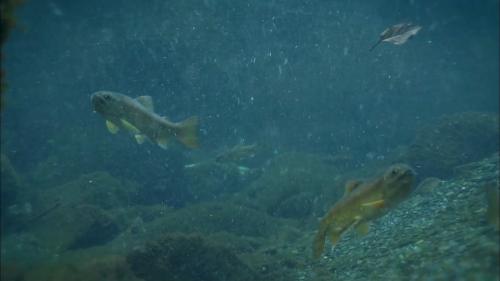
398, 34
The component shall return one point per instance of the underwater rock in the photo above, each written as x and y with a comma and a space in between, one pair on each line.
11, 272
110, 268
210, 218
75, 227
179, 257
296, 206
454, 140
98, 189
209, 180
287, 176
94, 227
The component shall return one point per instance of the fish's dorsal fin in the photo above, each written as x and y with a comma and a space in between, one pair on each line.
351, 185
147, 102
112, 128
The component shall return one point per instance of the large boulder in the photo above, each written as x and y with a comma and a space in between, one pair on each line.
94, 227
180, 257
209, 218
97, 188
453, 140
291, 184
209, 180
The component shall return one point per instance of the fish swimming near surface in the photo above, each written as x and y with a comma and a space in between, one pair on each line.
398, 34
137, 116
363, 202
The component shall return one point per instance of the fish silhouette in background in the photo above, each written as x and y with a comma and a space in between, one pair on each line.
398, 34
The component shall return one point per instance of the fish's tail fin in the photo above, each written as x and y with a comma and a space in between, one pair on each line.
319, 240
187, 132
318, 246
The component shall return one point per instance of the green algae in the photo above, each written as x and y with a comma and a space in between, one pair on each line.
181, 257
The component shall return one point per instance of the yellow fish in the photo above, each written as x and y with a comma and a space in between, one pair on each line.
364, 202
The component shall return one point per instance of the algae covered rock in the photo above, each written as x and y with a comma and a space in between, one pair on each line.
296, 206
289, 185
179, 257
76, 227
210, 218
209, 180
98, 189
109, 267
453, 140
95, 227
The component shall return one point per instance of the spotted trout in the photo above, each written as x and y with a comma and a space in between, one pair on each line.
363, 202
137, 116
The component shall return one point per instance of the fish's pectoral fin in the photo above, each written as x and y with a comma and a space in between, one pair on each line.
131, 128
375, 204
318, 245
351, 185
147, 102
112, 128
334, 237
362, 228
139, 138
162, 142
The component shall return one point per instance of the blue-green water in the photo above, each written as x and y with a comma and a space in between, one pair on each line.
295, 78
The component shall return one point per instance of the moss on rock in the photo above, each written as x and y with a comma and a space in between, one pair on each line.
179, 257
453, 140
290, 184
210, 218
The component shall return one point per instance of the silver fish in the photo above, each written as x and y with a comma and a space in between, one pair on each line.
138, 117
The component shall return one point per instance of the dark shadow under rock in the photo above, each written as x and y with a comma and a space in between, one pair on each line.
179, 257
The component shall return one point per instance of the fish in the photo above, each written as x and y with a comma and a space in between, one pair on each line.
137, 116
237, 153
362, 203
398, 34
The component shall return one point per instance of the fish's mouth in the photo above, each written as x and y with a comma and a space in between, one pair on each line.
99, 100
407, 174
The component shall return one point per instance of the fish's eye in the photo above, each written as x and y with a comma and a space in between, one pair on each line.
107, 97
394, 172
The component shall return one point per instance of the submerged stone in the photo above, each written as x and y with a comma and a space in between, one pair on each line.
180, 257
